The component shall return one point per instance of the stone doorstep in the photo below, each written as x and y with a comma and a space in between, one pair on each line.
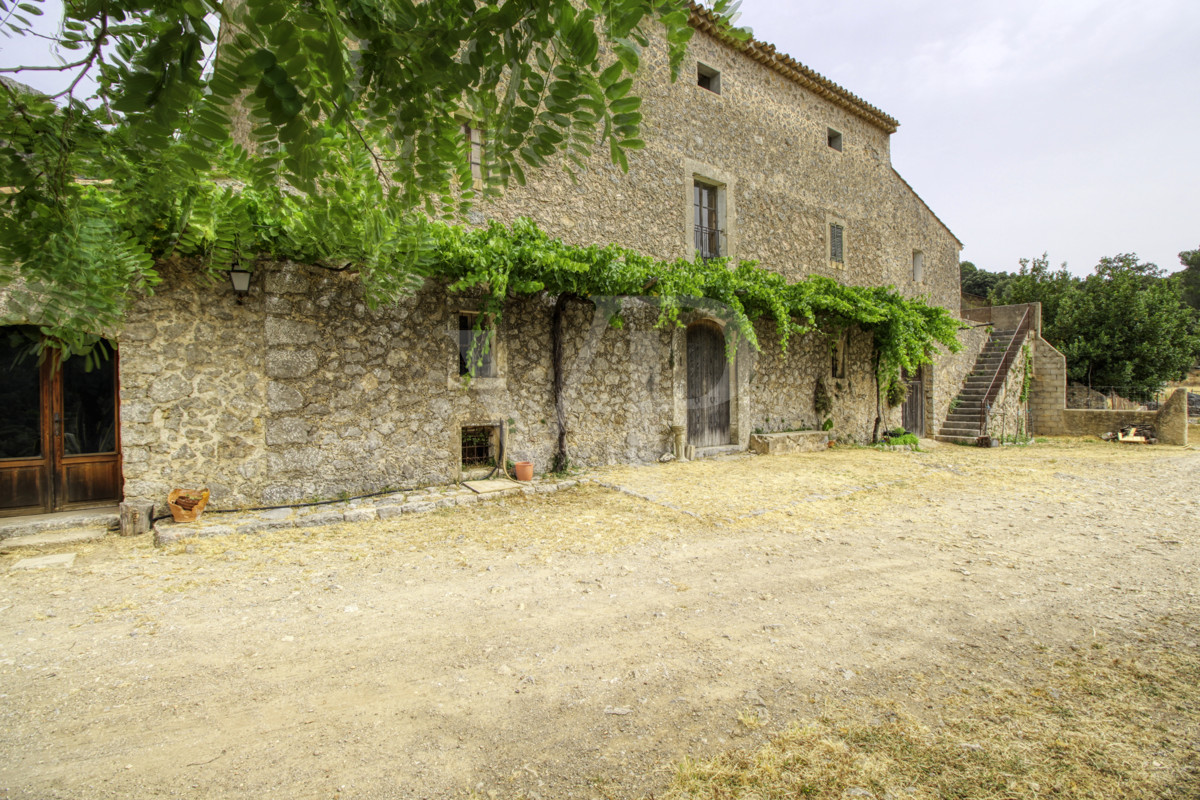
33, 524
37, 541
166, 531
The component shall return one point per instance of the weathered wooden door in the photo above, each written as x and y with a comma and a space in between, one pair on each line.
707, 385
59, 437
913, 411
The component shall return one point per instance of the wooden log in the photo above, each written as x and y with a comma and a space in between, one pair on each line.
135, 518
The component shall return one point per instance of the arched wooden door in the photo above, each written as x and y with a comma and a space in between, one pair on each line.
707, 385
60, 446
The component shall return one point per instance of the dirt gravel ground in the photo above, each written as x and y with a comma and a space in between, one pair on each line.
580, 644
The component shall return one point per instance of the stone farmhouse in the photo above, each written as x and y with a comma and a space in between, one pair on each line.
299, 391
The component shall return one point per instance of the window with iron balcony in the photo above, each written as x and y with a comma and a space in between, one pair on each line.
707, 220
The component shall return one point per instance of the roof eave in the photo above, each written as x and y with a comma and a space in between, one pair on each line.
703, 19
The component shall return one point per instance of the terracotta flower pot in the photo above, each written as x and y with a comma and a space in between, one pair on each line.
187, 504
524, 470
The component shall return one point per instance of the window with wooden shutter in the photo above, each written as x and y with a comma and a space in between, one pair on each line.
836, 251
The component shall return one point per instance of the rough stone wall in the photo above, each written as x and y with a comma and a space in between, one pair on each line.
192, 389
302, 392
782, 386
763, 139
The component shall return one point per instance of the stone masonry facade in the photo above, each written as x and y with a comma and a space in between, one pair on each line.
303, 392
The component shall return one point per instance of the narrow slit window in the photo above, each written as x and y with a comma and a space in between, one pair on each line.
475, 346
918, 266
708, 78
836, 244
835, 139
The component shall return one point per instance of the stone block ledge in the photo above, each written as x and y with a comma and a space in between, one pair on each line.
226, 523
774, 444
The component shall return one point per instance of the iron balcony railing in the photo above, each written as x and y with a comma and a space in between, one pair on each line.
709, 241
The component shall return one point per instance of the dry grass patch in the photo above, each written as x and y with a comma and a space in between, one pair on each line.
584, 519
1088, 723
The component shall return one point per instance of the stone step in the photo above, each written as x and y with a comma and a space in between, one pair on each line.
41, 541
105, 519
718, 450
968, 440
960, 430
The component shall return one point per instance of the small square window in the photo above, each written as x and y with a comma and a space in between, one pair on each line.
708, 78
476, 346
837, 252
918, 266
835, 139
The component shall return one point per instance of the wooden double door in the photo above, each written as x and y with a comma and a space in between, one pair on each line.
60, 445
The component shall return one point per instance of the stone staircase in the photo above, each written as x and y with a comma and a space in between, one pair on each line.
962, 423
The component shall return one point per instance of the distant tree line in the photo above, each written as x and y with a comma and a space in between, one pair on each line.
1128, 326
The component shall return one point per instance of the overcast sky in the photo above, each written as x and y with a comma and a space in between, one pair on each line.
1063, 126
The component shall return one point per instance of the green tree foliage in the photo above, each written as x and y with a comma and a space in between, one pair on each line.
1125, 326
328, 88
1036, 282
1189, 277
980, 282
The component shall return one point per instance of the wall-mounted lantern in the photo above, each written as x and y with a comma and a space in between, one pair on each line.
240, 279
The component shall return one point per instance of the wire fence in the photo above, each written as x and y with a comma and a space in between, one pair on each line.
1120, 398
1125, 398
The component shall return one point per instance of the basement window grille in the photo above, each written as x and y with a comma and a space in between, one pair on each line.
478, 446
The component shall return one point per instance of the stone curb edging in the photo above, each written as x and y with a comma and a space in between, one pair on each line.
167, 531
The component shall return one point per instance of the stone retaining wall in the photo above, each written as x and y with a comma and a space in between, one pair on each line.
1051, 417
